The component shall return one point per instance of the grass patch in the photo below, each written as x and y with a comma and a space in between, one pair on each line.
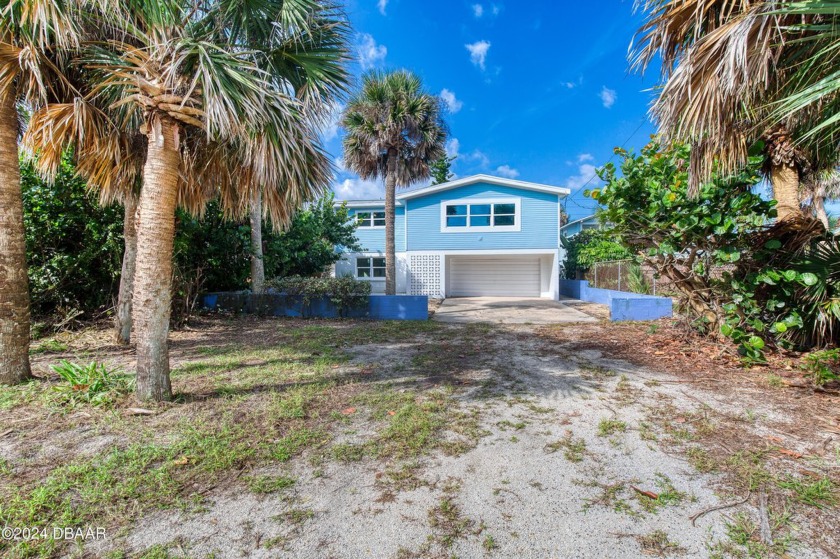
50, 345
745, 541
269, 484
446, 518
295, 442
607, 427
700, 458
667, 495
658, 543
489, 543
573, 448
816, 493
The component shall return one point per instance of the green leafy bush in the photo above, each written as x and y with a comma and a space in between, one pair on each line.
93, 384
824, 366
73, 245
588, 247
758, 283
345, 293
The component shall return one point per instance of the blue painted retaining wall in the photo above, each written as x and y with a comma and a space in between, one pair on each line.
623, 304
377, 307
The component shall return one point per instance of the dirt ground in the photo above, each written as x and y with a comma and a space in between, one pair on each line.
352, 439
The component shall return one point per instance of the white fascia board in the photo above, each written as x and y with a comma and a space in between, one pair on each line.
499, 181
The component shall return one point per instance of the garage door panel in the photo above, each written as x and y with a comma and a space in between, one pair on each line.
501, 276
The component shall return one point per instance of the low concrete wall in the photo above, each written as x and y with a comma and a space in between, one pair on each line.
623, 305
377, 307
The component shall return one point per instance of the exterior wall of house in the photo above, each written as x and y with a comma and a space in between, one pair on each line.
538, 218
346, 266
373, 238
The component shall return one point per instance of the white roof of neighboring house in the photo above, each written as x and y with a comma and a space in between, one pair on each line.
587, 218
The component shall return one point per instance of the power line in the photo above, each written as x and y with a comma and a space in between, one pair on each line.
623, 145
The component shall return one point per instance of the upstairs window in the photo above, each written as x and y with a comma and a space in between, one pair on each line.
370, 219
481, 215
370, 268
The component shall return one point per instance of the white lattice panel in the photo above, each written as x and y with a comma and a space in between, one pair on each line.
424, 275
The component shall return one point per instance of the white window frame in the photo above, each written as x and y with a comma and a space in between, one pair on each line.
370, 221
370, 268
517, 221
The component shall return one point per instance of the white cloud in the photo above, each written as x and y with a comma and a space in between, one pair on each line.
370, 54
358, 189
507, 171
382, 4
478, 10
478, 52
452, 102
496, 9
339, 164
478, 157
452, 147
608, 97
586, 177
584, 157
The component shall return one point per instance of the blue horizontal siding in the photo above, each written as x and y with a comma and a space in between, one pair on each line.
373, 240
539, 221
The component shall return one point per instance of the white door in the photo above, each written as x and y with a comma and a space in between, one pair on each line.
494, 276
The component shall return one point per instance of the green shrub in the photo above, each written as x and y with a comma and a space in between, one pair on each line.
588, 247
93, 384
74, 246
345, 293
824, 366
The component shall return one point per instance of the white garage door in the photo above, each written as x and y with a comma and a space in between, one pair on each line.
494, 276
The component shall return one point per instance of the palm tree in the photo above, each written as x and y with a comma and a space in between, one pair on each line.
218, 122
395, 131
308, 51
820, 187
725, 63
32, 34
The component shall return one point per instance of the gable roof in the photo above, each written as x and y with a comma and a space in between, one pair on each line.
466, 181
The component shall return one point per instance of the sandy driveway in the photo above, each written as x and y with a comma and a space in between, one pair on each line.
567, 465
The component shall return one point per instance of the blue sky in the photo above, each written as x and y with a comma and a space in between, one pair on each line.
539, 91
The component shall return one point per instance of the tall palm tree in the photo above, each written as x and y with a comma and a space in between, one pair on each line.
218, 122
308, 51
395, 132
32, 34
725, 63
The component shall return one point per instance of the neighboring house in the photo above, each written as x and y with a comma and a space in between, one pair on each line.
574, 227
476, 236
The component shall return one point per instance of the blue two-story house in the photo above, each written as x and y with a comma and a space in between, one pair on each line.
476, 236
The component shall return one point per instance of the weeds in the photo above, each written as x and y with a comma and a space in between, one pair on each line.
607, 427
93, 384
816, 493
573, 448
658, 543
269, 484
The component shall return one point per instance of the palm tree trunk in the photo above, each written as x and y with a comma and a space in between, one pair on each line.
785, 180
390, 239
14, 282
819, 210
257, 263
122, 321
152, 299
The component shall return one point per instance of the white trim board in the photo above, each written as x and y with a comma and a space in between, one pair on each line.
499, 181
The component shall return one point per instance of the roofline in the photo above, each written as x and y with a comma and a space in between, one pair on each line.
579, 220
499, 181
364, 203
